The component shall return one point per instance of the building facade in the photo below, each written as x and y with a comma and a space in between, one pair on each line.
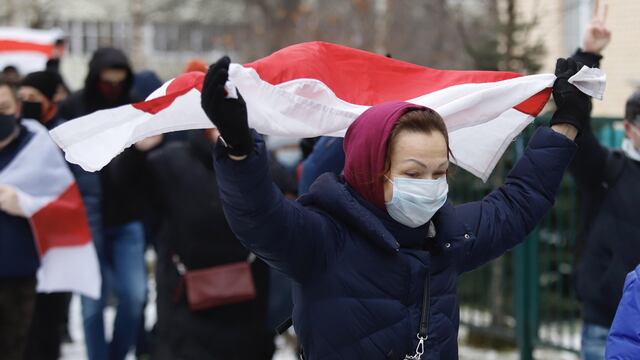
561, 25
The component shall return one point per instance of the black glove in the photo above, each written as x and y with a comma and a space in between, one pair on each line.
228, 115
573, 106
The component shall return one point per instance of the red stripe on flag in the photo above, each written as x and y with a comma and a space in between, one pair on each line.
178, 87
364, 78
13, 46
534, 104
62, 222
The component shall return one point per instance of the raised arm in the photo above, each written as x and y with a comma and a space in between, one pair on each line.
588, 166
289, 237
503, 218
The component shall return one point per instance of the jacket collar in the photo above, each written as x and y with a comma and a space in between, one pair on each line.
332, 195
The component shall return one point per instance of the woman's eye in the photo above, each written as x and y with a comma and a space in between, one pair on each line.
412, 174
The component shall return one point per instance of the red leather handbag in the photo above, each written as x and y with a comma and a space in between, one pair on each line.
217, 285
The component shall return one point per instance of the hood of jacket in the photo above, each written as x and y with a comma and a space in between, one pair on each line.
106, 58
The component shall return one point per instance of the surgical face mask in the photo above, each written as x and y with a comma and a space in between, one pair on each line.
31, 110
415, 201
7, 126
630, 150
628, 146
289, 157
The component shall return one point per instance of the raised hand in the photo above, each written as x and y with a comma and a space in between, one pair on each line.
573, 106
227, 114
597, 36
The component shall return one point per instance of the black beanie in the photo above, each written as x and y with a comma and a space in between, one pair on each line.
45, 81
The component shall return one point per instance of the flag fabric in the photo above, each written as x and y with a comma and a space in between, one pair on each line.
50, 198
27, 49
313, 89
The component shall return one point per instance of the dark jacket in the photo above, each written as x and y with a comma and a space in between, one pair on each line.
623, 342
358, 275
609, 236
179, 182
327, 156
120, 205
18, 254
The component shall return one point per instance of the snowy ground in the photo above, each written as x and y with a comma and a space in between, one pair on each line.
76, 350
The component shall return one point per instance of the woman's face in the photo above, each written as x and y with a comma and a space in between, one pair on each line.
417, 155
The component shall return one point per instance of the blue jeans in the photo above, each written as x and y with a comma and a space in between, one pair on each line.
121, 254
594, 341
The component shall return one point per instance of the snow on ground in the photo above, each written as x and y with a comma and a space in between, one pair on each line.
76, 350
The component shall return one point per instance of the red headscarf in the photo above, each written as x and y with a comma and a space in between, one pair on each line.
365, 146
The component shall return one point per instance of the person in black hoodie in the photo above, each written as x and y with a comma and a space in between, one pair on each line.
121, 249
194, 231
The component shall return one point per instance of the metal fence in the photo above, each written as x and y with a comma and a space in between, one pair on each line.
527, 297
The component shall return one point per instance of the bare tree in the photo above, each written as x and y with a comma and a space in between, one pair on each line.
137, 33
500, 41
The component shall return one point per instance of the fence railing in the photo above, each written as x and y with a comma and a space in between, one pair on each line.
527, 297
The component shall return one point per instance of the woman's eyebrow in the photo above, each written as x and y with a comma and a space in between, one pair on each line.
417, 162
444, 164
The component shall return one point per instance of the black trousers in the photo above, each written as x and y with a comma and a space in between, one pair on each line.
48, 326
17, 302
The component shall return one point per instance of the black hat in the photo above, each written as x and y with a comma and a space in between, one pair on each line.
632, 109
45, 81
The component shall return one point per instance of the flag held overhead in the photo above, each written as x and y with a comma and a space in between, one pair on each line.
316, 88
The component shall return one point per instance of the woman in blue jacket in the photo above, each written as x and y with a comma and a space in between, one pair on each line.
623, 342
374, 255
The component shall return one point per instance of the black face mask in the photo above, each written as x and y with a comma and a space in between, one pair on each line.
7, 126
31, 110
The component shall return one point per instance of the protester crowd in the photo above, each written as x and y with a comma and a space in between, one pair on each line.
228, 209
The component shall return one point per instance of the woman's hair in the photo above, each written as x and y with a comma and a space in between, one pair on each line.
419, 121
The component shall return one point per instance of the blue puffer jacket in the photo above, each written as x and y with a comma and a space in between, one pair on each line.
624, 338
358, 275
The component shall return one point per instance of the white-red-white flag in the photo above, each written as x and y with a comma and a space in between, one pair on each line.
316, 88
27, 49
49, 196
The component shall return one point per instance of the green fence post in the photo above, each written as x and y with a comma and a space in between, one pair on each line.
522, 287
533, 311
522, 299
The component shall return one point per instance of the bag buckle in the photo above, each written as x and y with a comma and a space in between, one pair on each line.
180, 267
419, 349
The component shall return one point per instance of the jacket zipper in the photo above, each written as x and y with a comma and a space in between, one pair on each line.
426, 304
424, 320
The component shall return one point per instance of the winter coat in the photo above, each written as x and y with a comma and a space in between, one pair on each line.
178, 181
623, 342
119, 204
359, 276
609, 237
18, 254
